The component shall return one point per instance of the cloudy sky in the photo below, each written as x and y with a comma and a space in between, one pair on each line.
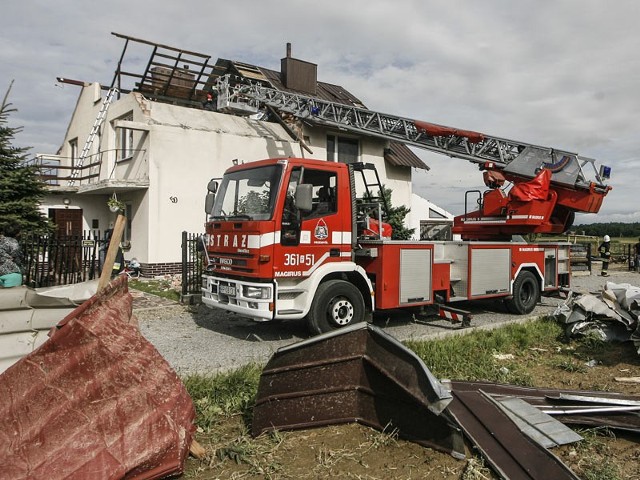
563, 74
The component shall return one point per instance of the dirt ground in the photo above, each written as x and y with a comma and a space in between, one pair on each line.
356, 452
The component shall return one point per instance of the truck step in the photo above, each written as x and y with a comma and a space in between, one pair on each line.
457, 299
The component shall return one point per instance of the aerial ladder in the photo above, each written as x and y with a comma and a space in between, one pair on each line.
548, 185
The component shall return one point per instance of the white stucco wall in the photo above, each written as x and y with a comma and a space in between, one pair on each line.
183, 159
420, 211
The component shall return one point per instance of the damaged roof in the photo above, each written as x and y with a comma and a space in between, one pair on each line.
183, 77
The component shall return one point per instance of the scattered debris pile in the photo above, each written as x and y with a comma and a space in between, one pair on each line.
517, 449
362, 374
96, 400
611, 315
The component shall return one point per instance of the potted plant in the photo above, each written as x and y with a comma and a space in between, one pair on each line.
115, 205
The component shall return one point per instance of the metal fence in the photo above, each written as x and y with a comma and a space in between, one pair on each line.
50, 260
191, 264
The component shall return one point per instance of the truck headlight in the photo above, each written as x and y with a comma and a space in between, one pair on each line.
257, 292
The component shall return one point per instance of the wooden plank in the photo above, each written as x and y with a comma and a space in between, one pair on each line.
112, 252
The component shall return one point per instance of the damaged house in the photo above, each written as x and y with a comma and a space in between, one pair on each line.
148, 141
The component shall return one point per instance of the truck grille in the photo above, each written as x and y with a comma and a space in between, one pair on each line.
244, 263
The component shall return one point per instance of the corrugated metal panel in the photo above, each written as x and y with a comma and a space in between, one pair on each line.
415, 275
544, 397
96, 400
512, 454
490, 270
539, 426
27, 314
355, 374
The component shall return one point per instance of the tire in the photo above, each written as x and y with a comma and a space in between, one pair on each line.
526, 294
337, 304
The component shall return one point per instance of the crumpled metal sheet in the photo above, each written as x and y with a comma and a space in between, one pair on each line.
27, 314
612, 315
548, 397
512, 454
95, 401
355, 374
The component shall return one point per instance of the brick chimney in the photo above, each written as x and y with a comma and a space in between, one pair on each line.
298, 75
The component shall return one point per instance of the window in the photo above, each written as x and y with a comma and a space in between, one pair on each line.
248, 194
128, 213
342, 149
73, 151
324, 201
124, 140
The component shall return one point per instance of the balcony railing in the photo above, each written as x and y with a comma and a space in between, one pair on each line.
56, 170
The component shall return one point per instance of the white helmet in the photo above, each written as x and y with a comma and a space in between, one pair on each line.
607, 238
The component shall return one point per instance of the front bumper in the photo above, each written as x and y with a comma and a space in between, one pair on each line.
249, 299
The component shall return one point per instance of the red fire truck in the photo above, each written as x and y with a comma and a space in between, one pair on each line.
293, 238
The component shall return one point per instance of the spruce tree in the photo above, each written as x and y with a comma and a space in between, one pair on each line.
395, 216
21, 190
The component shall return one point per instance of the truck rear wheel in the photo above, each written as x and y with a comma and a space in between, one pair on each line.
526, 294
337, 304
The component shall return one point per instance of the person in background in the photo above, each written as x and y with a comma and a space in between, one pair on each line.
636, 249
10, 257
605, 254
210, 103
118, 264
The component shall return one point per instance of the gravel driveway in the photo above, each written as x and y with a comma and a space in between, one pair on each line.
197, 339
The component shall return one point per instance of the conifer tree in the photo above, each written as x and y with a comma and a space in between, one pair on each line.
395, 216
21, 189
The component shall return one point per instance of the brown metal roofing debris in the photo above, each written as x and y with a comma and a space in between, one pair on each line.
361, 374
612, 314
95, 401
501, 442
546, 398
505, 451
358, 374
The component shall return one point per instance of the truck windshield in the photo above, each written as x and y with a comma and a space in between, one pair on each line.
248, 194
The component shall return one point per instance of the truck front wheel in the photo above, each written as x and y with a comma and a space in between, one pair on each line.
526, 294
337, 304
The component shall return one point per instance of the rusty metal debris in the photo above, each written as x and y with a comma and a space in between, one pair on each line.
96, 400
361, 374
546, 398
358, 374
511, 454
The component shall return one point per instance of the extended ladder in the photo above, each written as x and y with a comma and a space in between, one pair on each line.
518, 158
102, 114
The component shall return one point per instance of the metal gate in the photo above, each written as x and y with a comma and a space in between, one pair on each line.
50, 260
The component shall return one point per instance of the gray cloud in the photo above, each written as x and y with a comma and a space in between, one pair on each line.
561, 74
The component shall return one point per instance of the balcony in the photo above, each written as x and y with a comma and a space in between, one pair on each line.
94, 176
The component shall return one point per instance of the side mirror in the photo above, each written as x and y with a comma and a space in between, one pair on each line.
208, 203
212, 186
304, 193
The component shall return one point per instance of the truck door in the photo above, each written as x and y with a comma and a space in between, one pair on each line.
312, 238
